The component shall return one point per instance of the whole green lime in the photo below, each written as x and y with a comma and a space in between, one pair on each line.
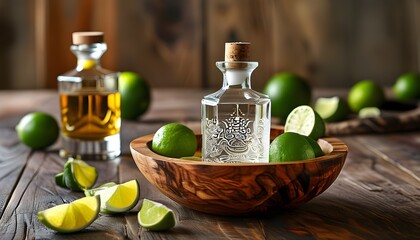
174, 140
38, 130
135, 95
315, 146
364, 94
287, 91
407, 87
289, 147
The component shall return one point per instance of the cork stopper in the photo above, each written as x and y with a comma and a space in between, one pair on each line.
87, 37
237, 51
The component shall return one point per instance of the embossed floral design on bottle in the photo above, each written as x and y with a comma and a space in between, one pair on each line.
236, 119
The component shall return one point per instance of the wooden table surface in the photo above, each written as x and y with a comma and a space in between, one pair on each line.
376, 196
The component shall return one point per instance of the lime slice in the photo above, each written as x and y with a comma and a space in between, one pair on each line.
155, 216
71, 217
119, 198
92, 192
369, 112
78, 175
332, 109
305, 121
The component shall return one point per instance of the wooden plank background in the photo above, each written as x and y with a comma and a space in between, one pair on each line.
175, 43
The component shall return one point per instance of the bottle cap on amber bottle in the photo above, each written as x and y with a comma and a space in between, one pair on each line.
87, 37
237, 51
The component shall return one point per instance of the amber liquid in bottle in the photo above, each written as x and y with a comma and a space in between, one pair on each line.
90, 116
90, 103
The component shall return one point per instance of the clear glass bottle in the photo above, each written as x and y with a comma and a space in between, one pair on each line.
89, 103
235, 121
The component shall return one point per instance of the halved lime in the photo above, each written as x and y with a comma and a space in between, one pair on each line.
119, 198
78, 175
305, 121
155, 216
331, 109
369, 112
71, 217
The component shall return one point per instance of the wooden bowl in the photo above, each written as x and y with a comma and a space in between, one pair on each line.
237, 188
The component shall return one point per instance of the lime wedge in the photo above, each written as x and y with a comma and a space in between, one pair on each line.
92, 192
68, 178
78, 175
332, 109
155, 216
369, 112
305, 121
119, 198
59, 180
84, 174
71, 217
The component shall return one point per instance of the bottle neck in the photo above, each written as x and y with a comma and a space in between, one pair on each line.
88, 55
237, 74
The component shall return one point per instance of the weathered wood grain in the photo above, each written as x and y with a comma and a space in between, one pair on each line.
398, 122
331, 43
13, 158
400, 152
161, 41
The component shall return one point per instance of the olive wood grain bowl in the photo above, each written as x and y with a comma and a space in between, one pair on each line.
238, 188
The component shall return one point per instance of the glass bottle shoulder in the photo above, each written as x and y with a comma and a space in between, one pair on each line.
94, 73
236, 95
88, 73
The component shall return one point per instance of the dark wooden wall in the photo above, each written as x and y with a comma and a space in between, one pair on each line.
175, 43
